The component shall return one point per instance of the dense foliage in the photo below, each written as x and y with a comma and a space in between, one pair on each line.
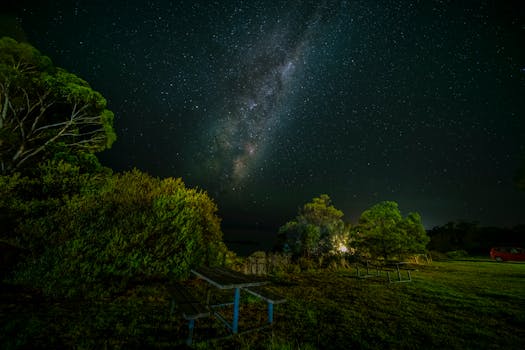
383, 232
100, 232
45, 110
318, 229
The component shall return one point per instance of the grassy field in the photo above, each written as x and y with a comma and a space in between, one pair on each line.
453, 305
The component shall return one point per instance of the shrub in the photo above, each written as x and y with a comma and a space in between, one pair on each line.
133, 227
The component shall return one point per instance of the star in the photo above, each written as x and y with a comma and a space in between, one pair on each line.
266, 76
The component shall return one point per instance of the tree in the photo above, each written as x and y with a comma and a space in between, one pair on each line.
416, 238
45, 109
317, 229
383, 232
467, 236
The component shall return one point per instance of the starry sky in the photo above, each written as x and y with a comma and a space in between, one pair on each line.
267, 104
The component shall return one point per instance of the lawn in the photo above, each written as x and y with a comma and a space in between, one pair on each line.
448, 305
453, 305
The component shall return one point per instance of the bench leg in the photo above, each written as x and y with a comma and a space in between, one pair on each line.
191, 326
270, 313
236, 300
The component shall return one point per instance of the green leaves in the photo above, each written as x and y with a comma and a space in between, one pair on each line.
22, 57
383, 232
317, 230
44, 109
112, 230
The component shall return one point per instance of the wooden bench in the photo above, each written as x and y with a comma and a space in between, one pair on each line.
269, 296
188, 305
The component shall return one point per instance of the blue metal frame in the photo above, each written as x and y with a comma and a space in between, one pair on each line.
223, 278
270, 313
191, 326
234, 325
236, 301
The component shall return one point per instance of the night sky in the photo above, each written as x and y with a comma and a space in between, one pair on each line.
267, 104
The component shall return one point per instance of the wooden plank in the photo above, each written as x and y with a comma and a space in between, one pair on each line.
223, 278
193, 311
187, 302
266, 294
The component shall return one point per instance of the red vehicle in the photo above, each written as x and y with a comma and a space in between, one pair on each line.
507, 253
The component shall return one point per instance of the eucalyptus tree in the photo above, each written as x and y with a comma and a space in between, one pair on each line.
45, 109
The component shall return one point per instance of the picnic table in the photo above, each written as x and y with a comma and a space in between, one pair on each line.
398, 266
388, 267
223, 278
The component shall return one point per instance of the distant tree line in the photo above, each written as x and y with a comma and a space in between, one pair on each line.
472, 238
381, 232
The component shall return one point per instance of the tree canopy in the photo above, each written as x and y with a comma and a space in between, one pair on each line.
383, 232
317, 229
45, 109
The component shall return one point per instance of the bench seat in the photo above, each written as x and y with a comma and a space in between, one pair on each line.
269, 296
189, 306
266, 294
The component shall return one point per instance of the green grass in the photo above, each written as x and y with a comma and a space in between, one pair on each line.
453, 305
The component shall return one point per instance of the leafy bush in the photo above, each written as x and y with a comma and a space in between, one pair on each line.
132, 227
27, 203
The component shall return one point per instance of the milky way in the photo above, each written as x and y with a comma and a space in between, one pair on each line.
262, 81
